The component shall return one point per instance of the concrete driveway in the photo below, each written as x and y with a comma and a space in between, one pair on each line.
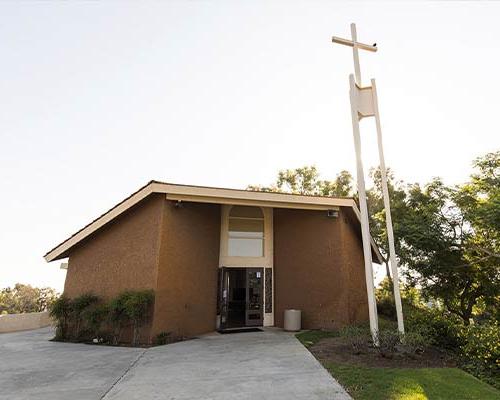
259, 365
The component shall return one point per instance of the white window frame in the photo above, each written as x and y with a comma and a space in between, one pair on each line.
247, 235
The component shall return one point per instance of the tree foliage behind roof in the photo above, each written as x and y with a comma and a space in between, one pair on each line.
306, 180
447, 237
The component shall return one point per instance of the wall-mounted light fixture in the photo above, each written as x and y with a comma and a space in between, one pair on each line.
332, 213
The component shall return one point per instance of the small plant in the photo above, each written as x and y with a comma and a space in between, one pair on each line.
388, 342
413, 343
60, 310
163, 338
356, 337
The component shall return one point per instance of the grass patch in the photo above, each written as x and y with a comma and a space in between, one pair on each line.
310, 338
410, 384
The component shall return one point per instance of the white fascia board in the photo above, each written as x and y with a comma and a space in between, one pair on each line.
256, 196
206, 194
99, 223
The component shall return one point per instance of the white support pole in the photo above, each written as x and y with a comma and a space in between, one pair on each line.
365, 229
388, 219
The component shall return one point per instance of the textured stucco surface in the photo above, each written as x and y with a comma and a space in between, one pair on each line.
355, 268
186, 293
122, 255
318, 266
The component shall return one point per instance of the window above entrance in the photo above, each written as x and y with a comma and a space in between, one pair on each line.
246, 236
246, 232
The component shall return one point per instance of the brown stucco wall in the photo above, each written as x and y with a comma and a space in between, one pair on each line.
187, 274
122, 255
317, 261
354, 262
318, 265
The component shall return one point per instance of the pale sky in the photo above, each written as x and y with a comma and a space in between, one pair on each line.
98, 98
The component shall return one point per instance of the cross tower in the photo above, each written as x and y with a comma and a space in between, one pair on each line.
364, 103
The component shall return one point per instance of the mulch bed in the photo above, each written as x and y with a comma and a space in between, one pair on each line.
338, 350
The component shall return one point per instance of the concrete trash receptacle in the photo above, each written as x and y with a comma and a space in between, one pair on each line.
292, 320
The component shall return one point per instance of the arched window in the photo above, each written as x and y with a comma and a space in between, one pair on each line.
246, 232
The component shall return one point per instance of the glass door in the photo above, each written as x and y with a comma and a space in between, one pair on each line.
254, 297
232, 297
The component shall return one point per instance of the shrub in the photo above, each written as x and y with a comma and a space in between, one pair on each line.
481, 351
94, 317
130, 307
385, 299
413, 342
163, 338
86, 315
386, 307
117, 316
137, 306
60, 310
78, 306
356, 336
435, 326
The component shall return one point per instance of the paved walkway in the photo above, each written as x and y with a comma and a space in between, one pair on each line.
31, 367
260, 365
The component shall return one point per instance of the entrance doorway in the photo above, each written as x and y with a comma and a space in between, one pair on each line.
241, 297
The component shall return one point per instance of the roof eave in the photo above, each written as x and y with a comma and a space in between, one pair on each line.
203, 194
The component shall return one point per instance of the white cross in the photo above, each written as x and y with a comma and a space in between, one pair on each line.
355, 46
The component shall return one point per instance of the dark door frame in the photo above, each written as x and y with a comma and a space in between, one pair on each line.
223, 295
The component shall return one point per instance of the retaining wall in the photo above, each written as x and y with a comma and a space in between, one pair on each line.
24, 322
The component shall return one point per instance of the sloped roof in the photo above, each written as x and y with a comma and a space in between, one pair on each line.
207, 195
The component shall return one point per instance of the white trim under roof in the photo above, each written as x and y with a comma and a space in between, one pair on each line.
207, 195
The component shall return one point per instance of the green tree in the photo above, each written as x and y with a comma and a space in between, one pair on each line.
479, 201
25, 298
376, 209
447, 237
306, 181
